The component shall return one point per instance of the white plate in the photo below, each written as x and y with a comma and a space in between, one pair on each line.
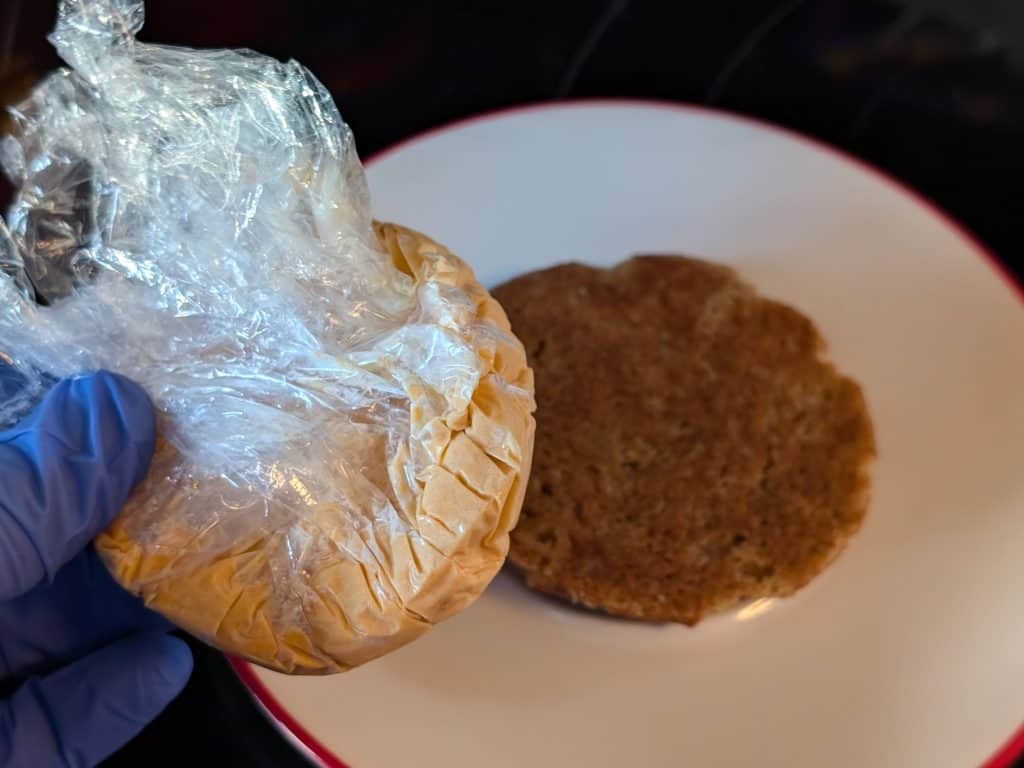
909, 650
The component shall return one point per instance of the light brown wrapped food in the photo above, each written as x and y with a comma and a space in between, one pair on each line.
344, 416
334, 585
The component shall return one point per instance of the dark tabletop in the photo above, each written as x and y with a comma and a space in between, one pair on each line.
932, 91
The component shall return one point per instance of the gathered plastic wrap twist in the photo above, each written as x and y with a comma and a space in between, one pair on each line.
344, 415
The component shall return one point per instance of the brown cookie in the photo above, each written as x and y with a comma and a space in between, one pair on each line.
693, 448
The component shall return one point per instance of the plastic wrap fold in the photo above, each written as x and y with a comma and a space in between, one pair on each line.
345, 417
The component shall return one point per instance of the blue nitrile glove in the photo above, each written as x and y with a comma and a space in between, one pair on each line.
84, 665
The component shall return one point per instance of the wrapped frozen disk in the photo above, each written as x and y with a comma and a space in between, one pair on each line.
344, 415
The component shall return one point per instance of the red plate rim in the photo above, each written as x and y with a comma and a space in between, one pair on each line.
1013, 748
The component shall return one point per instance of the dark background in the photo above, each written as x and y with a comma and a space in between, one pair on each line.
930, 90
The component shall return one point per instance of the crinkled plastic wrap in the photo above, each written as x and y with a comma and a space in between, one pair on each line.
345, 418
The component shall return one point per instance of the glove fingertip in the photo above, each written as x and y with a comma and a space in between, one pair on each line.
112, 393
82, 713
65, 472
174, 664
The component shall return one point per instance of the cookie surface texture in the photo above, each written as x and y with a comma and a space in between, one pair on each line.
694, 449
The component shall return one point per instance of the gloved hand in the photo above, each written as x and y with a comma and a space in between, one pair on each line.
84, 664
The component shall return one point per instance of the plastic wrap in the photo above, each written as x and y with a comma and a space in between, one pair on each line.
344, 416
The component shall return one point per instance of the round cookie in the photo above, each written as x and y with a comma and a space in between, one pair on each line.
693, 448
